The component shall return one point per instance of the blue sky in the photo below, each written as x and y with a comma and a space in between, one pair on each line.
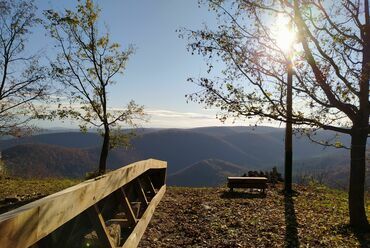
156, 74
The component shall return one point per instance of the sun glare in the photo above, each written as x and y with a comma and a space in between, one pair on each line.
283, 34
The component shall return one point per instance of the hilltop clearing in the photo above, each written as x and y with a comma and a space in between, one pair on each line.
212, 217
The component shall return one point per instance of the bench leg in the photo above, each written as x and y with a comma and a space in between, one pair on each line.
231, 189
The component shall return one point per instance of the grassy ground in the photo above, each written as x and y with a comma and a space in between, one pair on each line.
27, 190
315, 217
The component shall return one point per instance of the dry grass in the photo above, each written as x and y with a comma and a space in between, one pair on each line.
211, 217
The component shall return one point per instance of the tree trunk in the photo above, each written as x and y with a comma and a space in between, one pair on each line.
104, 151
356, 196
288, 164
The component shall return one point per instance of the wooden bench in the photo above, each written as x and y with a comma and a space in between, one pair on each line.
247, 182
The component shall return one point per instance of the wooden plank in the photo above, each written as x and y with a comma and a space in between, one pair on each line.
135, 237
136, 208
247, 185
247, 179
127, 207
99, 226
141, 192
122, 222
150, 185
26, 225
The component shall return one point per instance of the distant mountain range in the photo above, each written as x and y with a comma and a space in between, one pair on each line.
196, 157
209, 172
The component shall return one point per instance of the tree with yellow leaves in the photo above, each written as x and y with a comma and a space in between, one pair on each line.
86, 66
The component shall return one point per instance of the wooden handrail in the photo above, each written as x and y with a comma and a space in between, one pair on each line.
30, 223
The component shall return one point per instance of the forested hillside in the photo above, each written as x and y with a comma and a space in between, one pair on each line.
208, 151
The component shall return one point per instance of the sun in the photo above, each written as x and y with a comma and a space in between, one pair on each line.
285, 39
283, 34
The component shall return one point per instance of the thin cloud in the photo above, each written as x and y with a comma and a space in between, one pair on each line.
163, 118
175, 114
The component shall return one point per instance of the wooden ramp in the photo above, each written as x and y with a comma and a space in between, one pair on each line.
109, 211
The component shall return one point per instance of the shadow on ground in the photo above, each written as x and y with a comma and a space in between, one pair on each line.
241, 194
362, 236
291, 224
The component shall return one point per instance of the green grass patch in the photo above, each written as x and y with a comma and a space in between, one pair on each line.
27, 190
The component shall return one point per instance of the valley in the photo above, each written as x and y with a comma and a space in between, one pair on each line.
196, 157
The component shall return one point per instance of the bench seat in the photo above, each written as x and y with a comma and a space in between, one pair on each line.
247, 182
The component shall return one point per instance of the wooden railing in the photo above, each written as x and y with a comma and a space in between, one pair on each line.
109, 211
